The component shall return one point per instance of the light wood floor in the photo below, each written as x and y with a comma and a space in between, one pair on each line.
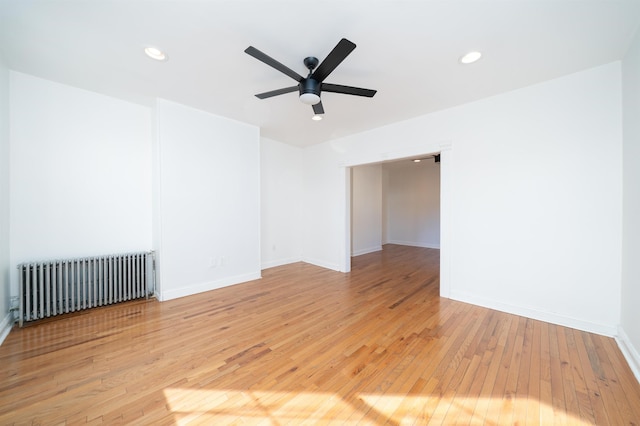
306, 345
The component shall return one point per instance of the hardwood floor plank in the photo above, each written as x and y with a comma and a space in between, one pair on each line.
533, 393
495, 353
618, 409
496, 397
625, 378
524, 374
591, 382
546, 392
570, 399
557, 384
582, 393
601, 384
305, 345
509, 401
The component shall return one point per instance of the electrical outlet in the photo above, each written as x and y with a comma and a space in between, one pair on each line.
213, 262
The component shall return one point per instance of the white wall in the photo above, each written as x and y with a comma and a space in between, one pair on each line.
413, 203
80, 173
385, 203
533, 184
326, 236
281, 198
630, 324
366, 209
208, 212
5, 270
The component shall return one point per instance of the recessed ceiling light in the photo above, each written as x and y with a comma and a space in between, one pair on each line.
156, 54
316, 117
417, 160
470, 57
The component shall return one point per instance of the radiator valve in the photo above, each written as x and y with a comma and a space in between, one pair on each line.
15, 307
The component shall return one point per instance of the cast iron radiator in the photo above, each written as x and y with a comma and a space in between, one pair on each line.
60, 286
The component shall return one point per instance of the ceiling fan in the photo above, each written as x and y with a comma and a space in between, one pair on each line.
313, 85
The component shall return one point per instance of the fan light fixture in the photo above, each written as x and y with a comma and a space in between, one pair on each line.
309, 98
156, 54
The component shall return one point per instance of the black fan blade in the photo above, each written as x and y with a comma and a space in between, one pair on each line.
266, 95
317, 108
273, 63
337, 55
348, 90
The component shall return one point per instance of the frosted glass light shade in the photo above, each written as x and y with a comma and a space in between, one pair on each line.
309, 98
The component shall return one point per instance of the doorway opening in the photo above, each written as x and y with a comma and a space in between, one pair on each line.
400, 202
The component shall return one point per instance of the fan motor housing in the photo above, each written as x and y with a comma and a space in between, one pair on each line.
309, 85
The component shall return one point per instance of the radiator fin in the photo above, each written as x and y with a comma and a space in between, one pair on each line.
61, 286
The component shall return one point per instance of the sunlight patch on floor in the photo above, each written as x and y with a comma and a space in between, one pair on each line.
201, 404
204, 405
416, 409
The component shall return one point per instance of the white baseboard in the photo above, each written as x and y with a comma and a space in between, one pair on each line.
629, 351
207, 286
414, 244
5, 326
366, 250
550, 317
280, 262
322, 264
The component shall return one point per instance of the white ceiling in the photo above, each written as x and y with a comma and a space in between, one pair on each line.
407, 49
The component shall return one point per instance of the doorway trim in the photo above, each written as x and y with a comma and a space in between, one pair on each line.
446, 217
